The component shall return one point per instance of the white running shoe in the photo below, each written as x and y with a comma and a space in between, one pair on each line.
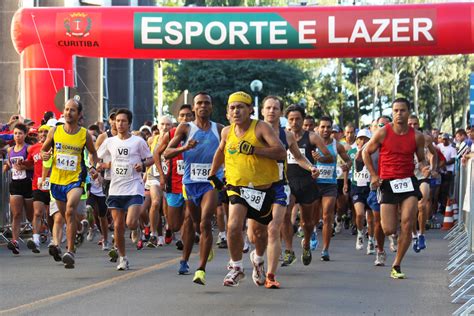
370, 247
380, 259
360, 242
135, 235
64, 237
258, 273
161, 241
91, 233
234, 276
338, 227
123, 264
105, 245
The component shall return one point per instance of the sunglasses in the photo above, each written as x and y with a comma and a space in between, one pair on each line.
380, 124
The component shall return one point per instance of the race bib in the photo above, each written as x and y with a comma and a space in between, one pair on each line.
290, 158
66, 162
254, 198
200, 171
339, 171
46, 184
180, 167
326, 172
18, 174
362, 178
402, 185
122, 169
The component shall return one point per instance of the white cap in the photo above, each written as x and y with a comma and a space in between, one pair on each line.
52, 122
364, 133
62, 120
148, 128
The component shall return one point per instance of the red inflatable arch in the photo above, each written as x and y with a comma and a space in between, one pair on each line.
48, 38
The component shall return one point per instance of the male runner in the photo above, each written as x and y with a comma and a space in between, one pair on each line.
68, 173
419, 242
397, 184
174, 184
250, 150
272, 108
201, 139
303, 187
327, 181
130, 156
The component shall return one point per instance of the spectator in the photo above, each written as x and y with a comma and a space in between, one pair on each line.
449, 152
47, 116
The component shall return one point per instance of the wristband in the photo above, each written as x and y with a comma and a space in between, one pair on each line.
216, 182
143, 167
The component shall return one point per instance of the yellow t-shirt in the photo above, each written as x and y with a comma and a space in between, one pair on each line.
68, 157
241, 169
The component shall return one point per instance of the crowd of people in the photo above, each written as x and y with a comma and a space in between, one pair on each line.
259, 182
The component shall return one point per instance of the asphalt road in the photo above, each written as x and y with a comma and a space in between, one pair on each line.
347, 285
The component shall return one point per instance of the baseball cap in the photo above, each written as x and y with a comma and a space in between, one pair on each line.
148, 128
336, 128
364, 133
52, 122
28, 121
446, 135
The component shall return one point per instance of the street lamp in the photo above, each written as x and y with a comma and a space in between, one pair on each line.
256, 86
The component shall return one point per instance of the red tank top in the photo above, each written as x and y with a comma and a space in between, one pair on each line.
176, 166
35, 156
396, 155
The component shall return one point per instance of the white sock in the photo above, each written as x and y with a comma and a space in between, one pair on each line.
258, 259
238, 264
371, 238
36, 238
360, 232
414, 235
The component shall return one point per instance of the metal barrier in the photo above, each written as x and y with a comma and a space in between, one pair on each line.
461, 242
4, 202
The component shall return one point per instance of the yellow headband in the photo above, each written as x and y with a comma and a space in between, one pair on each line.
240, 96
46, 127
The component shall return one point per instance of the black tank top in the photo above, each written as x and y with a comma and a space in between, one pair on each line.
282, 166
305, 146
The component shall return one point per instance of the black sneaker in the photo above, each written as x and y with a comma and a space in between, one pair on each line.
223, 244
325, 255
354, 230
196, 239
55, 252
179, 245
152, 242
68, 260
347, 221
32, 246
13, 246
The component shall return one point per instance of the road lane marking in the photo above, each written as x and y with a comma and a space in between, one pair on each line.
89, 288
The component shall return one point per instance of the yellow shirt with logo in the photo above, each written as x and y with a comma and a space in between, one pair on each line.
68, 157
241, 169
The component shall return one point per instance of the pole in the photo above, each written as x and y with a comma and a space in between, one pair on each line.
255, 107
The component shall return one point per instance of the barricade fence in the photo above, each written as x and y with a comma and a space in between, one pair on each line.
461, 241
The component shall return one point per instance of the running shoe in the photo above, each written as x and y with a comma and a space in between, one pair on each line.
161, 241
246, 246
320, 225
146, 232
113, 255
347, 221
416, 247
397, 273
393, 243
258, 273
380, 259
79, 239
234, 276
68, 260
105, 246
223, 243
313, 242
135, 235
91, 233
370, 247
123, 264
306, 256
325, 255
210, 257
271, 282
197, 237
55, 252
168, 237
200, 277
354, 230
289, 258
179, 245
152, 242
32, 246
140, 244
360, 242
13, 246
183, 268
421, 242
64, 236
300, 232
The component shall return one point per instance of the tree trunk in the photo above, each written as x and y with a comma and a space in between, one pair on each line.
439, 107
453, 126
396, 77
415, 94
356, 105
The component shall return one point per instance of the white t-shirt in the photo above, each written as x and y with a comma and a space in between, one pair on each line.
448, 152
125, 154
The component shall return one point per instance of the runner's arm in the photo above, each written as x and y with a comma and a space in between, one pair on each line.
302, 161
219, 156
317, 141
370, 148
47, 145
275, 149
341, 151
434, 153
173, 150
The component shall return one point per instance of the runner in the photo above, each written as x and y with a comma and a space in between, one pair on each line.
174, 184
41, 197
303, 187
397, 184
250, 150
327, 182
272, 108
130, 156
20, 185
360, 189
68, 172
419, 242
201, 140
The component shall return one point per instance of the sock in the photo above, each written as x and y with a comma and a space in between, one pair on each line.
414, 235
238, 264
36, 238
258, 259
371, 238
271, 276
360, 232
152, 234
420, 234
